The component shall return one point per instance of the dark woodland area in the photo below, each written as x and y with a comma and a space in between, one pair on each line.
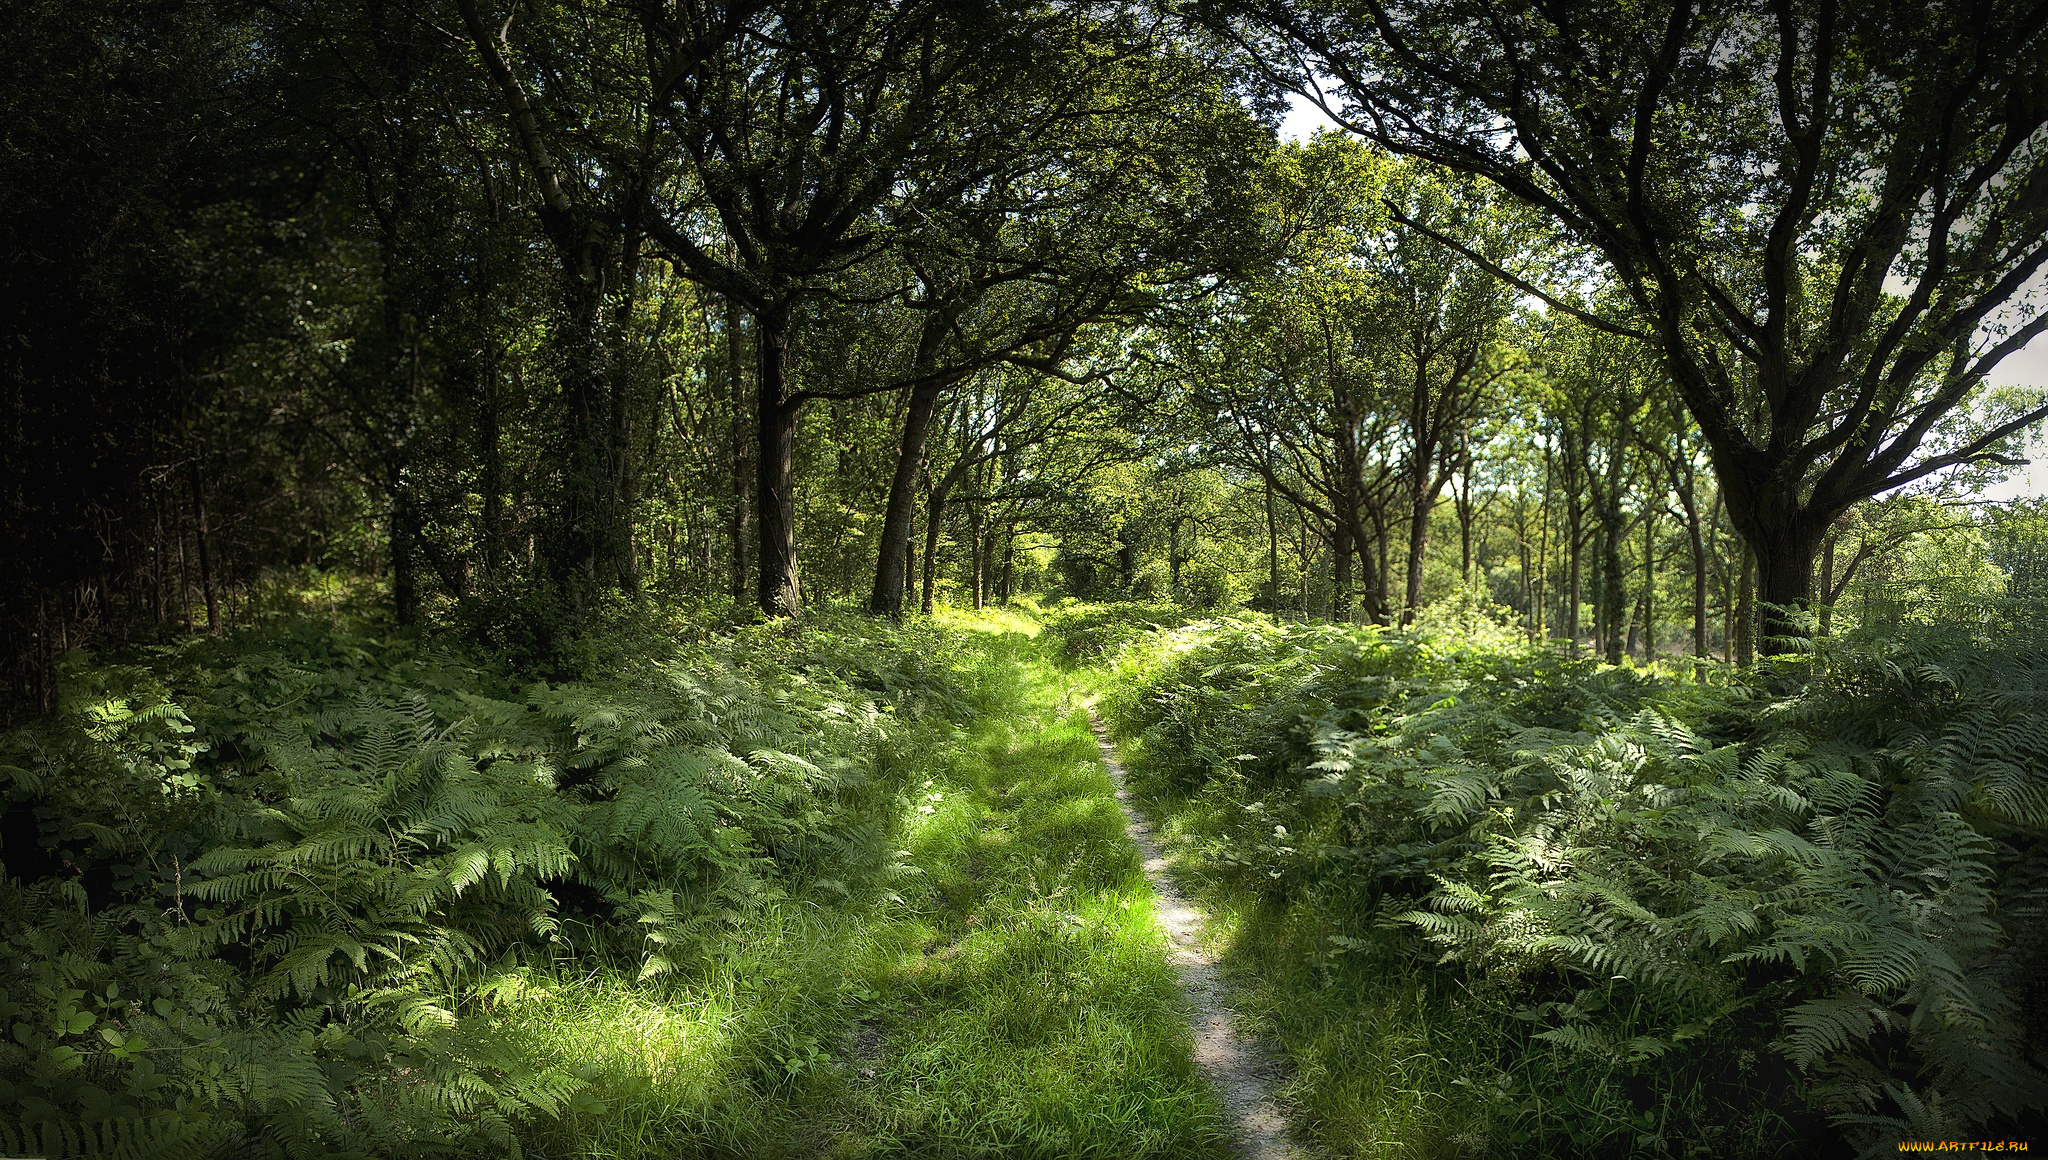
573, 574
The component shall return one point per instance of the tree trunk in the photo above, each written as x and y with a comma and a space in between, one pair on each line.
1173, 556
739, 520
1301, 542
203, 537
1528, 591
1376, 611
490, 449
580, 549
1697, 546
1465, 517
1613, 590
1005, 590
1745, 610
910, 554
1573, 551
1420, 503
893, 558
1272, 554
1340, 573
1539, 628
1649, 585
934, 508
1785, 553
777, 588
977, 553
1784, 537
405, 598
1467, 514
1827, 585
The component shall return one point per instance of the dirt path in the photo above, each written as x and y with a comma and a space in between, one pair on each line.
1242, 1074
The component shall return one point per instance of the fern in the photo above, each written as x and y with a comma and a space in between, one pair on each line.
1859, 852
328, 851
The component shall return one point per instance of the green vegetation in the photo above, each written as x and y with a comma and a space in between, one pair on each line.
1492, 898
551, 556
843, 889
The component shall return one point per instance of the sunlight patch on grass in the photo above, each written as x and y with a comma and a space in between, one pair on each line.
1045, 1020
989, 620
1001, 987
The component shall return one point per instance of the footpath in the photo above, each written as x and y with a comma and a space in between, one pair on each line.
1243, 1075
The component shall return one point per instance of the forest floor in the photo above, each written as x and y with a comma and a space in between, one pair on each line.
1028, 990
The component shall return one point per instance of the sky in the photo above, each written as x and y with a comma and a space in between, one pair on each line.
2027, 368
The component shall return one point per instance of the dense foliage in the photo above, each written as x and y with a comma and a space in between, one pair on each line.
1652, 876
261, 891
1569, 585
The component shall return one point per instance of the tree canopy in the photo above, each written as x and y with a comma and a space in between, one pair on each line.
1613, 318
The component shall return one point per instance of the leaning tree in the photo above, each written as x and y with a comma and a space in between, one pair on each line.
1827, 218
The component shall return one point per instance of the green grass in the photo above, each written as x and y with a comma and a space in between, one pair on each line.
1004, 992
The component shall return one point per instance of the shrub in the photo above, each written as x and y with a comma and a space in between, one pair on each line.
1857, 871
260, 889
1087, 633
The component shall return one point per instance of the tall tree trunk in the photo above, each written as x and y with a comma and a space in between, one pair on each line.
910, 541
1613, 589
1574, 549
203, 537
1649, 585
184, 585
592, 546
1541, 606
977, 553
405, 597
491, 454
892, 559
1745, 610
1005, 591
1340, 573
621, 554
934, 510
1827, 585
1467, 514
1696, 545
1421, 501
1378, 607
1301, 555
777, 589
1272, 554
1465, 518
1786, 548
1173, 556
739, 521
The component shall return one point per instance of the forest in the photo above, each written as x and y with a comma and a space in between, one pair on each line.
856, 578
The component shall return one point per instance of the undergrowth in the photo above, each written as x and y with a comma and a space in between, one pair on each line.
1492, 900
280, 894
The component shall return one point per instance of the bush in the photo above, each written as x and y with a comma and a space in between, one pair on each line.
1087, 633
259, 890
1631, 867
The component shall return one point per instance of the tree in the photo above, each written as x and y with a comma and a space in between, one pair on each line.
589, 205
1826, 214
1069, 226
1438, 321
813, 137
1285, 365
